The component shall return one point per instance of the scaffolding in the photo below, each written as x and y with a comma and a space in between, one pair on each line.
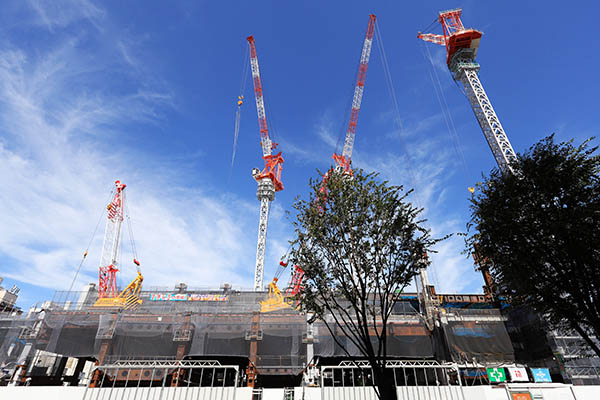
577, 362
168, 377
225, 325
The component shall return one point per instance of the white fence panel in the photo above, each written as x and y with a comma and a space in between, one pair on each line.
167, 393
348, 393
429, 393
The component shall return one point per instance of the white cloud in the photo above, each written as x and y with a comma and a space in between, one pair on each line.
59, 126
60, 13
426, 162
436, 58
429, 170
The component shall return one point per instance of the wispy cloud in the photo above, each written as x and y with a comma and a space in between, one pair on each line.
60, 13
408, 129
435, 57
429, 171
422, 159
323, 130
59, 127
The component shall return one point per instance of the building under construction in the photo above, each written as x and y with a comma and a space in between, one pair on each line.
228, 343
199, 338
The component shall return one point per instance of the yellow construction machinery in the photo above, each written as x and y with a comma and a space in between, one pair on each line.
127, 299
278, 301
275, 300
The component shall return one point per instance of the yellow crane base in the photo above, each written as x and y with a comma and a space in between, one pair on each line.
275, 300
127, 299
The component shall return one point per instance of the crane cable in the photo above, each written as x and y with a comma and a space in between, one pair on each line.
283, 263
236, 129
398, 120
85, 253
272, 131
396, 107
396, 111
434, 22
448, 120
131, 239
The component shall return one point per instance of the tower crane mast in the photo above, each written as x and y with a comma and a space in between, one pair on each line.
269, 179
461, 49
343, 160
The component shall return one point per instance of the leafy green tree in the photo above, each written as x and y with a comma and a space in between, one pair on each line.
539, 228
360, 243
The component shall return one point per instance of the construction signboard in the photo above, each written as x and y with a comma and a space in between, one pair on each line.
541, 375
518, 374
496, 375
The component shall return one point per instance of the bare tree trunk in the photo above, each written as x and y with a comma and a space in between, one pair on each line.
384, 380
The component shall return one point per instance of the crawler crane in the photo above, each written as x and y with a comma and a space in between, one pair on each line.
107, 282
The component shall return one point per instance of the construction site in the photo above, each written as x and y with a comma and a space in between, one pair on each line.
179, 342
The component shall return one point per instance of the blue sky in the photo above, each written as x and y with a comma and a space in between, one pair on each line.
91, 92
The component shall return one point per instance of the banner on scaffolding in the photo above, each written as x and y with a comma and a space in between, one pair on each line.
496, 375
187, 297
518, 374
541, 375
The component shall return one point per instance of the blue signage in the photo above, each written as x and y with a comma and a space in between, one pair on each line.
541, 375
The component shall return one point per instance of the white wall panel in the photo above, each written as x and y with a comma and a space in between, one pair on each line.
554, 392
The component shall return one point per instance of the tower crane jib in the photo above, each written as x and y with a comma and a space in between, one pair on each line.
265, 140
343, 160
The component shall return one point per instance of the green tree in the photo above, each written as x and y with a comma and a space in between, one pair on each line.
539, 229
360, 243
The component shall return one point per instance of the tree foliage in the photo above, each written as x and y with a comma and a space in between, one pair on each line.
540, 230
360, 243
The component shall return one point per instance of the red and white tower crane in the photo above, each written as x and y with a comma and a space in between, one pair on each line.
343, 160
461, 49
269, 179
107, 285
275, 299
